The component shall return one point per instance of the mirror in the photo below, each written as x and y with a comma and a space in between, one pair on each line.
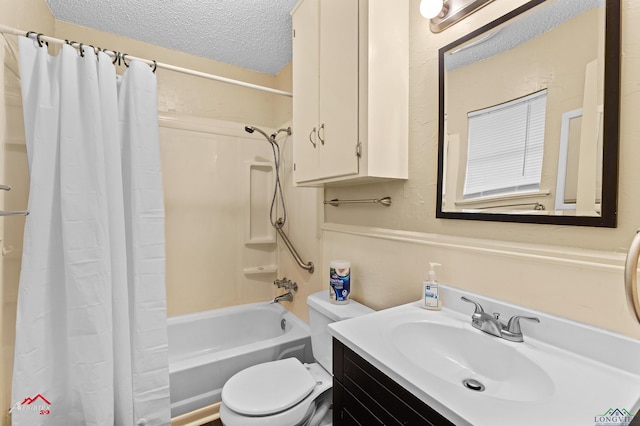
528, 124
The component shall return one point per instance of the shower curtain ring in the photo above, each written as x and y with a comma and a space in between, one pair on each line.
116, 57
39, 39
124, 60
28, 35
81, 50
155, 66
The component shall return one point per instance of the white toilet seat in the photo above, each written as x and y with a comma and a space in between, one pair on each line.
235, 391
268, 388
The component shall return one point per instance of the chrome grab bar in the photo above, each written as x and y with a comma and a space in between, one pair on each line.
631, 274
309, 265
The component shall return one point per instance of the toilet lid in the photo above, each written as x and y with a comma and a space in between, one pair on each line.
268, 388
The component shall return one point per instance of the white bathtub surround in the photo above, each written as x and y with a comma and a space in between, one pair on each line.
207, 348
579, 284
91, 340
221, 248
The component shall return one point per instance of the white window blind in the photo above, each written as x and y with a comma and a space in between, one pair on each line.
505, 147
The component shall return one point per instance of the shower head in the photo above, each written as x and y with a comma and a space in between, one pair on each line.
251, 129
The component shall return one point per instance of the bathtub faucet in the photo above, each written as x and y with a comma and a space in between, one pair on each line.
287, 297
286, 283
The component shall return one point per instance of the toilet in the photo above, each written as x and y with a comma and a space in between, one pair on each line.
287, 392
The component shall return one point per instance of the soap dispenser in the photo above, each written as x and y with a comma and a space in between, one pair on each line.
430, 294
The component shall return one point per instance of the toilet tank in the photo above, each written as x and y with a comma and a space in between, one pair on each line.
322, 313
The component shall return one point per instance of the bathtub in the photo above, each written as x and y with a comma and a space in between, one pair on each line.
207, 348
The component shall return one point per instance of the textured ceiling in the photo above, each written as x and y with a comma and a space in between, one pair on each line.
526, 27
253, 34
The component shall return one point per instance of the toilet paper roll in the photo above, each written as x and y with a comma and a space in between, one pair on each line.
339, 281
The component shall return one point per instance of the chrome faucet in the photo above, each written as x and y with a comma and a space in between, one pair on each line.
491, 324
288, 285
286, 297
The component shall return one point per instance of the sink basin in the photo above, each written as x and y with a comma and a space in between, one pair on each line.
456, 353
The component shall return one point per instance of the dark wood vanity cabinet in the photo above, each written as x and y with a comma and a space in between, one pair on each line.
363, 395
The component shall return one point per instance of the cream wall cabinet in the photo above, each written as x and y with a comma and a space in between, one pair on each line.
350, 91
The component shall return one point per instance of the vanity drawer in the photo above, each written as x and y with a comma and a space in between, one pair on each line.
364, 395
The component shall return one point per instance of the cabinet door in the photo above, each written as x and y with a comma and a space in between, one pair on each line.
338, 120
305, 90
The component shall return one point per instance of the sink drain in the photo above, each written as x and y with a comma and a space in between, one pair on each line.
473, 384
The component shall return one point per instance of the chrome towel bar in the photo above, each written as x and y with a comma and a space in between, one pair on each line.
9, 212
13, 213
385, 201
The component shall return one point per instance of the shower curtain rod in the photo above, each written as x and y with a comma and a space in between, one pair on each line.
9, 30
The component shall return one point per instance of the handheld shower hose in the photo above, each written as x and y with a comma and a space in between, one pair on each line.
278, 195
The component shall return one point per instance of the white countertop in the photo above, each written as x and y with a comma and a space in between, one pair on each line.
591, 370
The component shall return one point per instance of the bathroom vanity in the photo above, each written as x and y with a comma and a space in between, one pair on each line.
364, 395
407, 365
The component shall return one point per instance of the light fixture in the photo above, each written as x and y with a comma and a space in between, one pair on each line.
444, 13
433, 8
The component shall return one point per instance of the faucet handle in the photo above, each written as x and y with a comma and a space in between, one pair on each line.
513, 326
478, 310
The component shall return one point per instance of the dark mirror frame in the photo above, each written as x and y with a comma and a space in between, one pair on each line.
609, 205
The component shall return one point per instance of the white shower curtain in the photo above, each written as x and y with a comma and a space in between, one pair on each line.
91, 339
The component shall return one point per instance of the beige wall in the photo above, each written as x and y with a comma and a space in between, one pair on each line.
284, 105
31, 15
414, 201
189, 95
